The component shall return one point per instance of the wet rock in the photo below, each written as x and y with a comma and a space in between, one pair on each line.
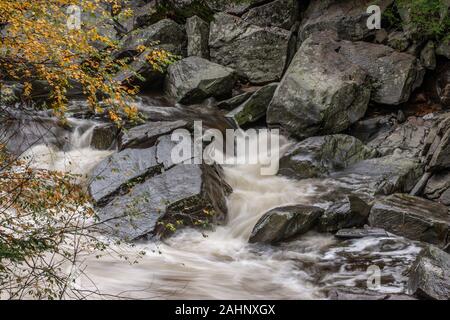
168, 35
256, 53
278, 13
321, 92
361, 233
146, 135
194, 79
198, 37
121, 170
412, 217
319, 156
394, 75
430, 275
255, 107
347, 18
381, 176
428, 56
105, 137
285, 222
189, 194
351, 212
438, 188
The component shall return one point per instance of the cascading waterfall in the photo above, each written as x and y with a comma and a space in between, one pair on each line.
221, 264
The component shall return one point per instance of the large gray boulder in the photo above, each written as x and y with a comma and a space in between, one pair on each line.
256, 53
198, 37
255, 107
318, 156
165, 34
194, 79
412, 217
185, 195
278, 13
321, 92
429, 277
283, 223
348, 18
394, 75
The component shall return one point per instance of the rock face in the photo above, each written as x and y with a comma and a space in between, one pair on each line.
146, 135
255, 107
443, 85
198, 37
393, 74
256, 53
168, 35
412, 217
348, 18
283, 223
321, 92
188, 193
105, 137
278, 13
430, 275
194, 79
352, 212
318, 156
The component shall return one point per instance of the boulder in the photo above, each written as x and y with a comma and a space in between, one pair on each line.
348, 18
185, 195
398, 40
146, 135
255, 107
371, 128
351, 212
198, 37
443, 85
438, 188
412, 217
394, 75
319, 156
256, 53
283, 223
165, 34
321, 92
194, 79
278, 13
381, 176
429, 277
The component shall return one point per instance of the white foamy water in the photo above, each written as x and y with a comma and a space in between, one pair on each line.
221, 264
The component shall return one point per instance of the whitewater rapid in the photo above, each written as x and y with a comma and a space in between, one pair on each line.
221, 264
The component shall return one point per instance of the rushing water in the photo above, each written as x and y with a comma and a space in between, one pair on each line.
221, 264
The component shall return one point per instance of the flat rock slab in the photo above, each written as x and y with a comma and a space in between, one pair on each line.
361, 233
412, 217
